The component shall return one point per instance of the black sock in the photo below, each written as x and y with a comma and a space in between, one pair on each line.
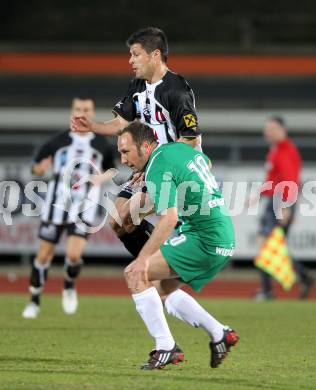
134, 241
37, 281
69, 284
72, 271
35, 298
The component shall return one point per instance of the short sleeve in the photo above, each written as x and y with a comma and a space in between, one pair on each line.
183, 112
44, 152
52, 145
125, 107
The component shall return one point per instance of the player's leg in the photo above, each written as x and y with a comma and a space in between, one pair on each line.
73, 260
38, 277
305, 280
266, 290
267, 222
150, 308
133, 237
183, 306
72, 268
196, 263
117, 226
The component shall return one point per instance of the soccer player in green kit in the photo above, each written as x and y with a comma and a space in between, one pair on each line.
182, 188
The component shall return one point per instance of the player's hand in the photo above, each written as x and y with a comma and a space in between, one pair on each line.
42, 167
286, 216
137, 180
46, 163
137, 274
80, 124
96, 180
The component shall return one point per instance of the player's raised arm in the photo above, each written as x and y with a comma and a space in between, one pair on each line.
111, 127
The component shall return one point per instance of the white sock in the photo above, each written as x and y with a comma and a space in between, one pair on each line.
185, 308
149, 307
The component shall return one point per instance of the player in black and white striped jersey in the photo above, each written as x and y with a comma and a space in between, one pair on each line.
158, 97
76, 156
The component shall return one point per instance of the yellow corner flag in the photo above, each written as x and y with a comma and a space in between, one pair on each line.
275, 260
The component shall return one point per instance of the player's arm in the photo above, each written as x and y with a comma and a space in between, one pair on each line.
138, 268
124, 112
165, 205
289, 171
43, 159
40, 168
98, 179
195, 142
183, 115
161, 233
111, 127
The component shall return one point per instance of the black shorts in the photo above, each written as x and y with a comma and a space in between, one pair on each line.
52, 233
128, 191
268, 220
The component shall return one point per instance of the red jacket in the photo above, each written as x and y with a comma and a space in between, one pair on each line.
283, 163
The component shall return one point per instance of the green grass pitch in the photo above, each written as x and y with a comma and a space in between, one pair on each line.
102, 346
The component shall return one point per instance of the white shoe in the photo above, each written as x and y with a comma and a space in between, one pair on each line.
70, 301
31, 310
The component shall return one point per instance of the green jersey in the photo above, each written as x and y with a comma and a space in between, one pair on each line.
179, 176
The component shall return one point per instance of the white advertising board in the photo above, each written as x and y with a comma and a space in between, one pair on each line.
20, 236
302, 236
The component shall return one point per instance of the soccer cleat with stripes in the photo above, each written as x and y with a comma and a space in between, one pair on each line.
160, 358
220, 349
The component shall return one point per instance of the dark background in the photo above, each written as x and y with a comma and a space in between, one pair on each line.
243, 26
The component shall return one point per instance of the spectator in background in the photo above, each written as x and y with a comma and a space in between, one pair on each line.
57, 153
283, 163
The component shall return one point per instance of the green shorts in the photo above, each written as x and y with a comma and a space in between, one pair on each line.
195, 259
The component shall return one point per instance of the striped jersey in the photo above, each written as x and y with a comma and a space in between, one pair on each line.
74, 156
167, 106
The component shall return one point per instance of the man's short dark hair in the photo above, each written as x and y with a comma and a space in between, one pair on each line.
140, 133
151, 38
83, 97
279, 120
